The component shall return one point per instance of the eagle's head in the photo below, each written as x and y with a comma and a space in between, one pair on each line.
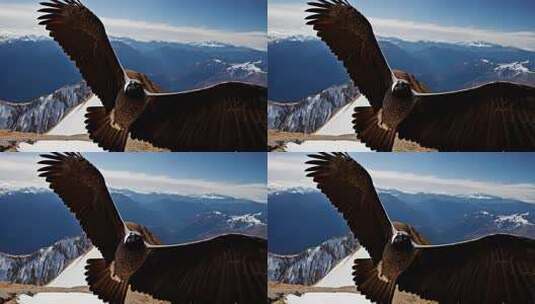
402, 89
134, 89
402, 241
134, 241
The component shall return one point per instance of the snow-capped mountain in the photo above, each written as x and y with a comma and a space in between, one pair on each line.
311, 113
43, 113
218, 70
44, 265
173, 218
311, 265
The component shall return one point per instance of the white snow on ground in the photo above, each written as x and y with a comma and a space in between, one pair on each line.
341, 275
56, 297
341, 122
327, 146
72, 124
327, 298
59, 146
73, 275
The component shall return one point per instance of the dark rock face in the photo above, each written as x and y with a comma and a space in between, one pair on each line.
44, 265
310, 113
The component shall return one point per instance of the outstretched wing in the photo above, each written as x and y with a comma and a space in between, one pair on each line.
229, 116
83, 190
350, 37
495, 269
350, 189
83, 37
498, 116
229, 269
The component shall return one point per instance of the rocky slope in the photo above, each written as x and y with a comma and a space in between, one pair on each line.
313, 264
43, 265
311, 113
43, 113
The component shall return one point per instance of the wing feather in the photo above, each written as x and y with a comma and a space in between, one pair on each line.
229, 116
229, 269
494, 269
498, 116
83, 190
350, 37
82, 36
350, 189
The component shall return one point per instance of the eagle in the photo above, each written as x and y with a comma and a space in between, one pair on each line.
494, 269
497, 116
226, 269
229, 116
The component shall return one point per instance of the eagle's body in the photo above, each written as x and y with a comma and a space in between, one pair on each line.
494, 269
228, 116
497, 116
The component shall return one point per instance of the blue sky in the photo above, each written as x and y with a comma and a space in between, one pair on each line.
503, 22
508, 175
241, 22
241, 175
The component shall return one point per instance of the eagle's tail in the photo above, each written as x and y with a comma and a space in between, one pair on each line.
102, 284
370, 284
98, 124
366, 125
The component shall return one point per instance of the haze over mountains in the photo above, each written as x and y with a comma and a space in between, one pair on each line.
35, 66
440, 218
321, 242
302, 66
39, 85
173, 218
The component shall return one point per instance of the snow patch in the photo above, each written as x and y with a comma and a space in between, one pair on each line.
56, 297
327, 146
60, 146
323, 298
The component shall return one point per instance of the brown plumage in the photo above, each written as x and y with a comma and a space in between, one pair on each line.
498, 116
494, 269
226, 269
229, 116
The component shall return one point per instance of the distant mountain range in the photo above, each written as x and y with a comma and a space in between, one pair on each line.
300, 67
31, 67
173, 218
440, 218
